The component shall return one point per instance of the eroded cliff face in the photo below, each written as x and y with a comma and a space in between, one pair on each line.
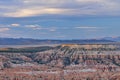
67, 62
69, 54
90, 55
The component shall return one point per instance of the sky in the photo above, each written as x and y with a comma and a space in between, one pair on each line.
59, 19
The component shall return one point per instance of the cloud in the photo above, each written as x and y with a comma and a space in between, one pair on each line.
52, 30
34, 27
15, 25
34, 11
5, 35
90, 29
4, 29
26, 8
38, 27
86, 27
9, 25
61, 36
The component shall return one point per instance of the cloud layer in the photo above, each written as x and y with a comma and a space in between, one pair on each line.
26, 8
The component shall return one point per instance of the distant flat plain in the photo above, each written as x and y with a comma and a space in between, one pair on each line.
21, 46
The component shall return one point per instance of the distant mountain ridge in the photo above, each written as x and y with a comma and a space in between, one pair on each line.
28, 41
117, 39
